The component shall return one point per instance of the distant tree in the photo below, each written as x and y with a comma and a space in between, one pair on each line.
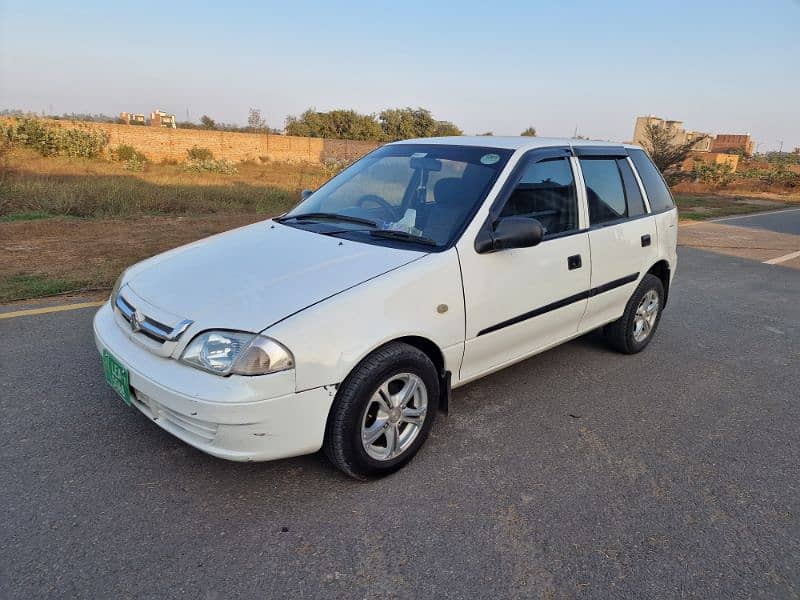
665, 152
487, 133
445, 128
207, 122
255, 122
392, 124
335, 124
406, 123
529, 132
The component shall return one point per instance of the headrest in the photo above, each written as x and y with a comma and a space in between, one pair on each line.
449, 192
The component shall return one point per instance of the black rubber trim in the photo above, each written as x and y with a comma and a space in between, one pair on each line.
600, 151
606, 287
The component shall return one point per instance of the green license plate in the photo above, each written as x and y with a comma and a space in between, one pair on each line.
117, 377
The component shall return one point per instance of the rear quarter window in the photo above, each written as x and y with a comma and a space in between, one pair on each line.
657, 191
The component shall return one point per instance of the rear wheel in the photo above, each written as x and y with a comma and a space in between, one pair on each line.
383, 412
635, 328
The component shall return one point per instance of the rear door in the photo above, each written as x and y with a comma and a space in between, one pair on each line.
622, 232
522, 300
662, 206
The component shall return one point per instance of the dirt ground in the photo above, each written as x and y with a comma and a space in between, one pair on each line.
95, 251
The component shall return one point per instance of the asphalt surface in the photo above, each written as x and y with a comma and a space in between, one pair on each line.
782, 221
578, 473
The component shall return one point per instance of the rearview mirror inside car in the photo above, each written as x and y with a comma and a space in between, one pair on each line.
426, 163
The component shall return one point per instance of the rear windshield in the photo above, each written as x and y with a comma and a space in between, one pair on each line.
657, 191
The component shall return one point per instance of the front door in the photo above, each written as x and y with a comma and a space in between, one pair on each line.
522, 300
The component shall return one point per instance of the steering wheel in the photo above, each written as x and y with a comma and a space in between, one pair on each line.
382, 204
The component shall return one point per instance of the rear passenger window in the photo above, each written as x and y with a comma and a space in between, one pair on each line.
605, 194
546, 192
632, 193
657, 191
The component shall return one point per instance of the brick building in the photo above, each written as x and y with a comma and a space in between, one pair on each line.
727, 142
158, 118
132, 118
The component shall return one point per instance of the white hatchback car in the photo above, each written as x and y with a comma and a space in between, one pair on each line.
345, 323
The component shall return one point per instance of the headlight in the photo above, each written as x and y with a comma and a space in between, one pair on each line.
117, 287
226, 352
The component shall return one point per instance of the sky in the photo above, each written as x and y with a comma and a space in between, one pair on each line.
562, 66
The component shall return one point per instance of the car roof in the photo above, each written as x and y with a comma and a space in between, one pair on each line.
512, 142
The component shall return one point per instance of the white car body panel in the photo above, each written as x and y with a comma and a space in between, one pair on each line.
332, 301
347, 327
504, 285
251, 277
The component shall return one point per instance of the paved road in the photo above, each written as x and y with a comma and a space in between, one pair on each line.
579, 473
782, 221
766, 237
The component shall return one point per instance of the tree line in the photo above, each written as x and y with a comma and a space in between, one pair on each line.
389, 125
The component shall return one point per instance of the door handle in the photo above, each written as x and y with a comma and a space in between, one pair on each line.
645, 240
574, 262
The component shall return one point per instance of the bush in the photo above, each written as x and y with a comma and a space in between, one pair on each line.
334, 166
126, 152
53, 140
717, 174
137, 163
778, 174
201, 154
210, 165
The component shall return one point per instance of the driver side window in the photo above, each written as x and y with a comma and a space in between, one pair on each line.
546, 192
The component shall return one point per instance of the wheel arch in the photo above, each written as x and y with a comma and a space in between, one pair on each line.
432, 350
661, 269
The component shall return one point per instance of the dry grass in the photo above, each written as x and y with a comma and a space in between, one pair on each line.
699, 207
70, 224
32, 184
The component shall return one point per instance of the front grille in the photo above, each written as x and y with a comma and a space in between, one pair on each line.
148, 326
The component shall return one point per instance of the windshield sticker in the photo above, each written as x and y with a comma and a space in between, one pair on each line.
490, 159
419, 155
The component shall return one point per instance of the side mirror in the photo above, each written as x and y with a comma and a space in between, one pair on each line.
305, 194
510, 232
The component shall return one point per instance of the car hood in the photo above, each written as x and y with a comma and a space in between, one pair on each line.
252, 277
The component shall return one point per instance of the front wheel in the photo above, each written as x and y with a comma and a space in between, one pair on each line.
383, 412
635, 328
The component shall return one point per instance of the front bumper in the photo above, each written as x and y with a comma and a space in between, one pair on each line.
236, 418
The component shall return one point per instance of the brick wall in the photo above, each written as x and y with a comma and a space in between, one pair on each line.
171, 144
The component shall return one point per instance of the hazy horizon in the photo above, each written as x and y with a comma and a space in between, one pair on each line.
720, 67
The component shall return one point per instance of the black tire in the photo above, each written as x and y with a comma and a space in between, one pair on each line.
620, 333
343, 445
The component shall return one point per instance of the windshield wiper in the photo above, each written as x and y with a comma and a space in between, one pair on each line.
327, 217
391, 234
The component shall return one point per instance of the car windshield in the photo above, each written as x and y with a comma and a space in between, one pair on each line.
403, 194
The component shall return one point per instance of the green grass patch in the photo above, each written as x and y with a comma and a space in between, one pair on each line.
700, 208
27, 216
24, 286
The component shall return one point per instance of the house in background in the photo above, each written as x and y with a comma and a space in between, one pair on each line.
679, 134
132, 118
159, 118
720, 150
737, 143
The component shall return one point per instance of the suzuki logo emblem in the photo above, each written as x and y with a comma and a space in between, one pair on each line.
137, 319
